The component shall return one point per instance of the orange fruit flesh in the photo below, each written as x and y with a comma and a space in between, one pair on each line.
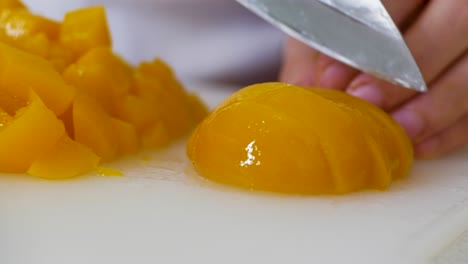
282, 138
66, 159
68, 102
33, 129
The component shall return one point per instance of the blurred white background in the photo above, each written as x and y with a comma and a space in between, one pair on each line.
203, 40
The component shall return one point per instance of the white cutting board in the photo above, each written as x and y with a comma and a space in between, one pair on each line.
159, 212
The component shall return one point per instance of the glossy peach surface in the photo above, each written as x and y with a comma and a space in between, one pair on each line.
282, 138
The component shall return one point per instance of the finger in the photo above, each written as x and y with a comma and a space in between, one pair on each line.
298, 63
452, 139
430, 113
436, 39
330, 73
402, 11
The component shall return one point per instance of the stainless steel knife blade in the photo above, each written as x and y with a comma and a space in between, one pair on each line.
359, 33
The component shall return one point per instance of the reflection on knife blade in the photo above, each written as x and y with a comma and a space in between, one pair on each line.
358, 33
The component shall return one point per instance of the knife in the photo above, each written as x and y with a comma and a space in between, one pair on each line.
359, 33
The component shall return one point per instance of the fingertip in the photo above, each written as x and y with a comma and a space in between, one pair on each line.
368, 92
298, 71
298, 64
298, 81
335, 76
428, 149
296, 76
411, 122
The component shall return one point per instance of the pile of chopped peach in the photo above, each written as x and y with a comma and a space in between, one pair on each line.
68, 102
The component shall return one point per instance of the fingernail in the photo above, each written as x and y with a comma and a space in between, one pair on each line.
369, 93
411, 122
331, 76
298, 79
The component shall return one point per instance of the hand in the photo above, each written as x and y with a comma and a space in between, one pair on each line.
437, 34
